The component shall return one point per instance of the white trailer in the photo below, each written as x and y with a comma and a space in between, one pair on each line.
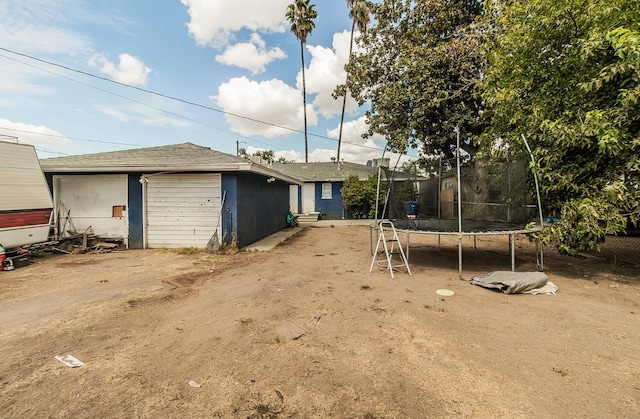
25, 199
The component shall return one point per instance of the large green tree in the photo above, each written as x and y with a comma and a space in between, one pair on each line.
421, 63
565, 74
301, 14
360, 17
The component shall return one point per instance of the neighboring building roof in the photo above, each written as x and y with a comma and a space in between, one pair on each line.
186, 157
332, 171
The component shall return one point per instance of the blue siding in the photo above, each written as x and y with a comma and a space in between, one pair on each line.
229, 208
333, 209
134, 211
330, 209
261, 207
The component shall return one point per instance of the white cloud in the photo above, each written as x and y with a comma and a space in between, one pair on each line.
213, 22
356, 149
20, 79
271, 101
32, 134
44, 39
290, 155
49, 27
322, 155
41, 27
252, 56
130, 70
325, 72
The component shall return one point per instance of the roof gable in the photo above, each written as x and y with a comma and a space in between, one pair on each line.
332, 171
169, 156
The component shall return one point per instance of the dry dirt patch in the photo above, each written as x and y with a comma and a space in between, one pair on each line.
306, 331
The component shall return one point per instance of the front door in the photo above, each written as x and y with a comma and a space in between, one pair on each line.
293, 198
308, 198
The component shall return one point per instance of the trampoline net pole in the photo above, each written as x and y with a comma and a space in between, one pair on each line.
459, 193
535, 179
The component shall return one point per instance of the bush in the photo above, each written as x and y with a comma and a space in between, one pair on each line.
359, 196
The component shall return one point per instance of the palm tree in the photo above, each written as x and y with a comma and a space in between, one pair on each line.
360, 15
301, 15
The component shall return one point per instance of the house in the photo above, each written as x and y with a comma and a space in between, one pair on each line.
320, 193
168, 196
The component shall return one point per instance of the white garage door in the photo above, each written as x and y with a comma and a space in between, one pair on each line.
182, 209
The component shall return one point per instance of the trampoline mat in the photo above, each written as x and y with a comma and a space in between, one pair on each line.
451, 226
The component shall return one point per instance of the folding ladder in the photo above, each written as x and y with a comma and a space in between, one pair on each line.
391, 247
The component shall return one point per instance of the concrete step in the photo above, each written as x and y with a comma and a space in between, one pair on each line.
307, 218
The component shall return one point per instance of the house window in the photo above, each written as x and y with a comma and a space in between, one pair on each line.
326, 191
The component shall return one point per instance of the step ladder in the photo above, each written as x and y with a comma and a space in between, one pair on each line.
388, 249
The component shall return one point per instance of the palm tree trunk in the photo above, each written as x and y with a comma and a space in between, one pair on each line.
304, 102
344, 98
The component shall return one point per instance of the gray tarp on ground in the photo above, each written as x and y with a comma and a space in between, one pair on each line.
511, 282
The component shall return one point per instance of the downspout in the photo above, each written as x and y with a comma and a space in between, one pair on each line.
143, 180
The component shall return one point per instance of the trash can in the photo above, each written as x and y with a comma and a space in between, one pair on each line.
411, 209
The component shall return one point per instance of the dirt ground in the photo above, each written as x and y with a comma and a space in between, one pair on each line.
305, 330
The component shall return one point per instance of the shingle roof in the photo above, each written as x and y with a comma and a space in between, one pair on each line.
186, 157
331, 171
177, 155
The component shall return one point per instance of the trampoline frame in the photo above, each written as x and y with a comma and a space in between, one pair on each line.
460, 233
475, 234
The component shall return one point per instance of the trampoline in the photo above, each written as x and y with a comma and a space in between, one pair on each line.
473, 198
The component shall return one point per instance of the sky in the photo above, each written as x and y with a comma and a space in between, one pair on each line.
88, 76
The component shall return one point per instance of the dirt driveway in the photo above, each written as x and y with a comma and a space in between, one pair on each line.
306, 331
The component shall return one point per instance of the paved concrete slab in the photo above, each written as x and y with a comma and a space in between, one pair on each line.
273, 240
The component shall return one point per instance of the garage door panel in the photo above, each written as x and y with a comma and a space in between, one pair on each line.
182, 210
178, 194
202, 222
181, 206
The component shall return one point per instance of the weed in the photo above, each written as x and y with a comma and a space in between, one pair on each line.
188, 251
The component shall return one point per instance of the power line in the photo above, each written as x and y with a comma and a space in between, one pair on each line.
163, 96
47, 150
98, 141
126, 98
65, 137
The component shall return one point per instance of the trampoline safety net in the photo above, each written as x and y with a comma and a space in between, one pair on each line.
491, 195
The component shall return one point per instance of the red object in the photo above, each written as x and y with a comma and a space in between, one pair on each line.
24, 218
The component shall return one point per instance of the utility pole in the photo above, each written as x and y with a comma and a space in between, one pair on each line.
238, 146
